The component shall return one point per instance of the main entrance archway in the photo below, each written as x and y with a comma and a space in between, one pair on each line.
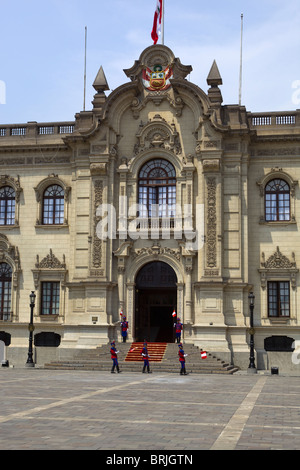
156, 298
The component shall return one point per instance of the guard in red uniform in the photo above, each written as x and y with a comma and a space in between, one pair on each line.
114, 356
124, 328
145, 356
178, 329
182, 357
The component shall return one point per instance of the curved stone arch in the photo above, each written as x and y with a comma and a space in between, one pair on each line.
277, 173
152, 154
193, 96
39, 192
117, 104
132, 272
49, 181
123, 94
138, 263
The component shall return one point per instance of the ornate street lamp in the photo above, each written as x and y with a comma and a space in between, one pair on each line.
252, 367
30, 362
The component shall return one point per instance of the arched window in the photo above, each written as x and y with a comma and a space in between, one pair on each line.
7, 205
5, 291
157, 186
53, 205
277, 201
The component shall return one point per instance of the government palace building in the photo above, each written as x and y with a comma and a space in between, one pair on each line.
159, 199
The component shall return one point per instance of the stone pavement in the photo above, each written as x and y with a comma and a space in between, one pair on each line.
88, 410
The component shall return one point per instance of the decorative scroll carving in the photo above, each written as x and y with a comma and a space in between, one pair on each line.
156, 250
50, 262
98, 169
49, 266
211, 237
211, 165
96, 263
278, 261
158, 134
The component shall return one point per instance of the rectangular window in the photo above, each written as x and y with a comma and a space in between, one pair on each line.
50, 298
278, 299
5, 296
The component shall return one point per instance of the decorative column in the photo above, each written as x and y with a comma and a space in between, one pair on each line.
188, 257
188, 296
122, 254
121, 271
122, 228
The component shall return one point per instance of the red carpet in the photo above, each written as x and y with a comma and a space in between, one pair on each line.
156, 352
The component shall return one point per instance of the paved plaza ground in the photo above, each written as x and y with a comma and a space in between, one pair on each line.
77, 410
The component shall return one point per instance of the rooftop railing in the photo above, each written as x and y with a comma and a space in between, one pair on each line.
34, 129
284, 119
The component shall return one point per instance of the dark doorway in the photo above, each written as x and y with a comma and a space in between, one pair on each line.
156, 299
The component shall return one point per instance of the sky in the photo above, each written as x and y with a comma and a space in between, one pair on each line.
43, 44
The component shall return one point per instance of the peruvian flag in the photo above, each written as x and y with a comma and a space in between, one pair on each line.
203, 355
174, 314
157, 21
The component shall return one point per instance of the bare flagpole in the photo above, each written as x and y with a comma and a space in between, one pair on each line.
241, 60
163, 23
84, 94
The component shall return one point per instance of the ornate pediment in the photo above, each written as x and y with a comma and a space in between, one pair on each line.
278, 261
278, 267
50, 262
49, 266
158, 134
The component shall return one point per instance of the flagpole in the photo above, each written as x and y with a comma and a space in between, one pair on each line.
241, 60
84, 93
163, 23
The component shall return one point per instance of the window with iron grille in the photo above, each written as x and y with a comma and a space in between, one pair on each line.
53, 205
157, 186
278, 299
277, 201
5, 291
7, 205
50, 298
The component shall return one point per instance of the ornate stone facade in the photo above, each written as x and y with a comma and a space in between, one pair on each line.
219, 229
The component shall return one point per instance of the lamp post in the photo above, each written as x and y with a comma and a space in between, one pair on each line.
30, 362
251, 368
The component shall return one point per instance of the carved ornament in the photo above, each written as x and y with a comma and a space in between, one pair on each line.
158, 134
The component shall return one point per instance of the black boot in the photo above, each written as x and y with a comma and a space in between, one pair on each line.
185, 372
118, 370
